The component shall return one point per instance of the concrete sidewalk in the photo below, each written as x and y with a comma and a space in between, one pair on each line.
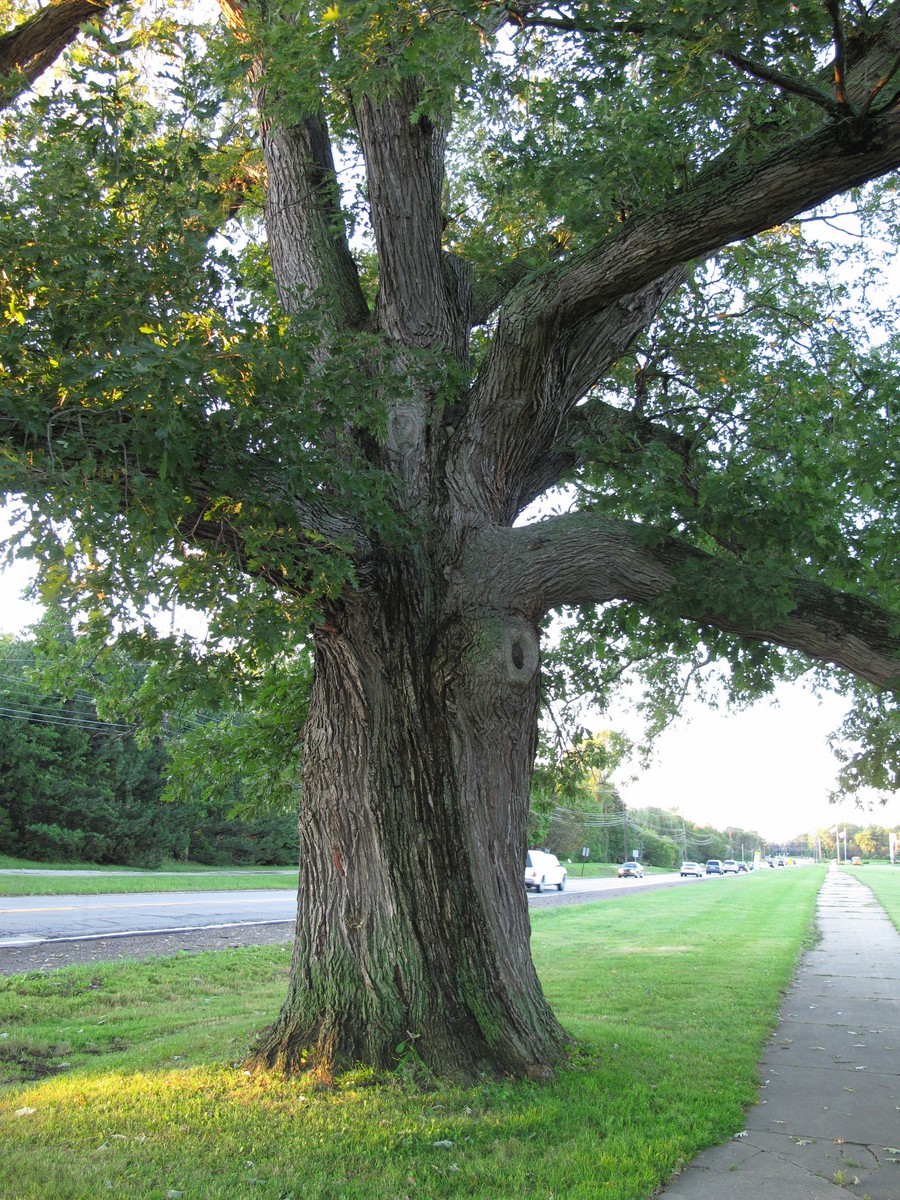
828, 1119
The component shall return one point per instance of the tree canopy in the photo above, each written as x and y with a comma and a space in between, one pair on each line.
76, 787
382, 332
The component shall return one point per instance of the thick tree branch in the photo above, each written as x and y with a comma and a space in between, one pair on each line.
520, 402
735, 197
585, 558
27, 50
311, 259
586, 432
419, 299
730, 201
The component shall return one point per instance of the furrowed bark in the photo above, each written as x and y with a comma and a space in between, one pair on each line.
311, 260
536, 384
33, 46
412, 932
424, 298
730, 203
404, 155
584, 558
305, 227
412, 926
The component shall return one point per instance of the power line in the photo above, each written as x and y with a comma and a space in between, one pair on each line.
36, 717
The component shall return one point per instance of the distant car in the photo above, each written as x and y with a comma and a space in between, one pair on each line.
544, 870
742, 868
714, 866
630, 870
779, 862
692, 868
729, 867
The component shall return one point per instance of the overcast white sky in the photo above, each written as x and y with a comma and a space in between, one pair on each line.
768, 768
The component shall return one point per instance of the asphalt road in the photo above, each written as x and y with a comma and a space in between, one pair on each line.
25, 919
28, 920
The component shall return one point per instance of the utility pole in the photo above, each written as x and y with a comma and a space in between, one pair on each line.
625, 831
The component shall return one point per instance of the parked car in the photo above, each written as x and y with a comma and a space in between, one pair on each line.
714, 866
630, 870
692, 868
544, 870
743, 869
729, 867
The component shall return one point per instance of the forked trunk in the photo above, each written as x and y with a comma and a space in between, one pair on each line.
412, 927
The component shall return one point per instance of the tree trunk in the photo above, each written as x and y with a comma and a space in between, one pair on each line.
412, 921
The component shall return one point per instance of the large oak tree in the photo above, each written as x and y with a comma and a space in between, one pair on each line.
515, 252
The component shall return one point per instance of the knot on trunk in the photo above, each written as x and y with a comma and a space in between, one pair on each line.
506, 648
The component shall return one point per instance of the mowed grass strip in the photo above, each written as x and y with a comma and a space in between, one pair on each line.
884, 881
98, 884
669, 995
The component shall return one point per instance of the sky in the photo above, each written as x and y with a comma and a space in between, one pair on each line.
768, 768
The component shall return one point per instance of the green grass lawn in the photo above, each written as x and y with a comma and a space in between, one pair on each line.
884, 881
138, 1091
173, 877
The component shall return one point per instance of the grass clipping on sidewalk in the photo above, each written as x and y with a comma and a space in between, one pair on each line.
125, 1079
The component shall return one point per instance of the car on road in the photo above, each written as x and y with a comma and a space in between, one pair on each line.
714, 866
730, 867
630, 870
743, 869
543, 870
692, 868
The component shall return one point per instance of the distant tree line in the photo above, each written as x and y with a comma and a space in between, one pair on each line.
74, 787
575, 807
869, 841
658, 837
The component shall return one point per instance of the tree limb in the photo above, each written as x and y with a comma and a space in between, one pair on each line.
539, 375
586, 558
589, 429
786, 83
731, 200
27, 50
418, 302
308, 247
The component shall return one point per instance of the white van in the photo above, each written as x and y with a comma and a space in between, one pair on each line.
544, 870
